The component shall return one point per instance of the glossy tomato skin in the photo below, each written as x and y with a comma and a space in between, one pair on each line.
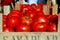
23, 28
41, 18
52, 28
7, 29
26, 20
39, 27
4, 18
13, 22
4, 24
15, 13
31, 14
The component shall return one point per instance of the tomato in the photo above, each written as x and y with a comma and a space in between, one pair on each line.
39, 13
48, 16
52, 28
31, 14
33, 5
41, 18
26, 20
23, 28
5, 2
40, 7
7, 29
4, 18
53, 18
39, 27
13, 22
15, 13
4, 24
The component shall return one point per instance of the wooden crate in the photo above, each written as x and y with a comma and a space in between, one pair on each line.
32, 35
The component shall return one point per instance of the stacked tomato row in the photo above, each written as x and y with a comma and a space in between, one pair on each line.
30, 18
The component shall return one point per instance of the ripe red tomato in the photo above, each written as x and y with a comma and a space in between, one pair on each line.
4, 17
53, 18
31, 14
15, 13
23, 28
40, 7
33, 5
39, 27
48, 16
52, 28
13, 22
39, 13
42, 18
26, 20
7, 29
4, 24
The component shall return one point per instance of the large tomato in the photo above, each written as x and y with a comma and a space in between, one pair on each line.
15, 13
52, 28
23, 28
39, 27
42, 18
31, 14
4, 18
13, 22
7, 29
26, 20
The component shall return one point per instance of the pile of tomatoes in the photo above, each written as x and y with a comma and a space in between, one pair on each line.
30, 18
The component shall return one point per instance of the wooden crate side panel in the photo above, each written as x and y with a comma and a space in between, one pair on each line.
55, 9
29, 36
46, 9
0, 22
59, 22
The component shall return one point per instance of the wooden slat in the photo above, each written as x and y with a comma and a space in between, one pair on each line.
54, 2
0, 22
17, 6
59, 22
21, 1
49, 2
6, 9
55, 9
46, 9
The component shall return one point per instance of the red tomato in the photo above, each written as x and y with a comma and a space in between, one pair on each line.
33, 5
40, 7
31, 14
52, 28
15, 13
23, 28
42, 18
13, 22
26, 20
4, 24
39, 27
7, 29
39, 13
4, 18
6, 2
53, 18
48, 16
